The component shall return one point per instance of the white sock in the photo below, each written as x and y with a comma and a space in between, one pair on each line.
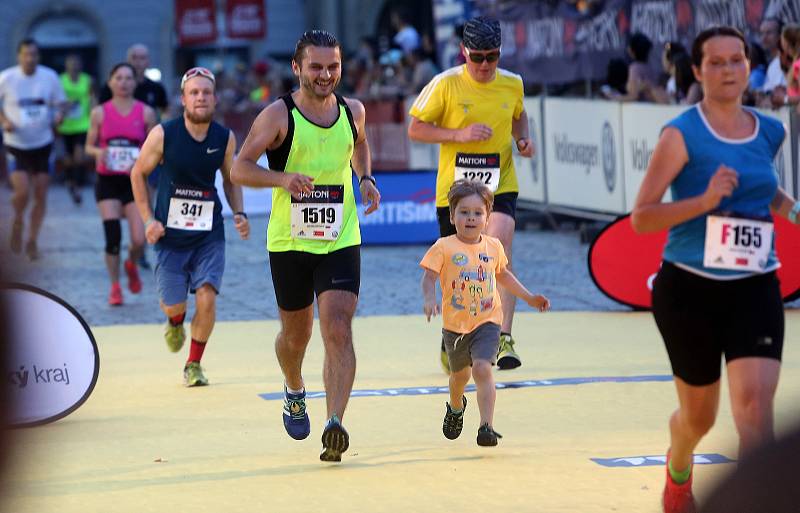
295, 392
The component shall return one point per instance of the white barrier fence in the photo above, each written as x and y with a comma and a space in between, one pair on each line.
591, 155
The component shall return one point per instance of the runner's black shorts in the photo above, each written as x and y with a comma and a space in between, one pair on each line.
701, 319
297, 275
73, 140
505, 203
34, 160
116, 187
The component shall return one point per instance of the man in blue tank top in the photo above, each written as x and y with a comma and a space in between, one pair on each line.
187, 228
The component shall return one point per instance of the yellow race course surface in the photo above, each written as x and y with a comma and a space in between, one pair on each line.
144, 443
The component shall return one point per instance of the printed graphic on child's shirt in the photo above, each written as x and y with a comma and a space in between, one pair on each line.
473, 290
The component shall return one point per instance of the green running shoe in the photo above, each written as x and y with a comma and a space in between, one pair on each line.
175, 336
193, 375
507, 358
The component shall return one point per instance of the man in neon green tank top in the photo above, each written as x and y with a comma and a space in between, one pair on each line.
79, 88
312, 138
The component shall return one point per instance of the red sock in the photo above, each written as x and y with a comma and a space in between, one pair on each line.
196, 351
178, 319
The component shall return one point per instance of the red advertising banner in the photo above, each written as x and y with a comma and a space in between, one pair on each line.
623, 264
195, 22
246, 19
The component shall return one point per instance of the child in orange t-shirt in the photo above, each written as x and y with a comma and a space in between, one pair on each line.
469, 266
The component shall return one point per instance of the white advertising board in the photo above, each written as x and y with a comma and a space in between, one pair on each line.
530, 171
641, 128
583, 154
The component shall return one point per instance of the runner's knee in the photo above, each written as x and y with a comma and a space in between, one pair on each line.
698, 422
113, 232
481, 370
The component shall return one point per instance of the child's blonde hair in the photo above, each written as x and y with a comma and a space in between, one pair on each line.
463, 188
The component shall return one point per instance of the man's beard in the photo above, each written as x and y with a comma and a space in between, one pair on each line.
200, 119
309, 85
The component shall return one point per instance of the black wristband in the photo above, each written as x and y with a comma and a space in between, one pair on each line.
367, 177
240, 214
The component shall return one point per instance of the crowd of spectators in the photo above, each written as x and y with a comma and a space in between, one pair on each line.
774, 70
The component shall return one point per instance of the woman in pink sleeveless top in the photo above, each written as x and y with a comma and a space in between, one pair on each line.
117, 131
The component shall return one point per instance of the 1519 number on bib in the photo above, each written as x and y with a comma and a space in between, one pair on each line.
317, 215
737, 244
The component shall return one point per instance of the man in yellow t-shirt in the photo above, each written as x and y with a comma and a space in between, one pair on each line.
475, 113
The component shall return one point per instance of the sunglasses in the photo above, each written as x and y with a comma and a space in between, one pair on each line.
198, 71
478, 58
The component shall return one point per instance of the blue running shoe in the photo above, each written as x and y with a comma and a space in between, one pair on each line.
295, 418
335, 440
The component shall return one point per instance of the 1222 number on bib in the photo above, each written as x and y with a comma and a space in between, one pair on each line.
481, 167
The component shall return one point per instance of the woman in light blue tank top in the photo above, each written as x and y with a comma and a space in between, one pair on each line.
716, 293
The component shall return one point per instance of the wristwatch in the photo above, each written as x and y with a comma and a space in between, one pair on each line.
367, 177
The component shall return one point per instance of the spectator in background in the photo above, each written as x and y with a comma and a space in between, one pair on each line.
147, 91
79, 89
790, 41
233, 90
407, 38
389, 80
616, 78
687, 89
422, 70
758, 66
671, 50
641, 85
261, 95
458, 32
770, 36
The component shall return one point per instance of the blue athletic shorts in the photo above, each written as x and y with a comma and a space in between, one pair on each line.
179, 272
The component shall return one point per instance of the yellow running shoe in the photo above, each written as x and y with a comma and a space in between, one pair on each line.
444, 360
507, 358
175, 336
193, 375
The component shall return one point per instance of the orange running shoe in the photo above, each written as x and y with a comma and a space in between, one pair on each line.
115, 296
134, 283
678, 498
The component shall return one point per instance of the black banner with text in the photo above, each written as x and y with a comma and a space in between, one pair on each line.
552, 42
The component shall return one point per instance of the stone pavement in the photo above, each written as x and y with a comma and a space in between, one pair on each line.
71, 267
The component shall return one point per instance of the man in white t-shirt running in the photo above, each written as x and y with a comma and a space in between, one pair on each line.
31, 104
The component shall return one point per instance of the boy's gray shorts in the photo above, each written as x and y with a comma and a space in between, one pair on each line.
481, 343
